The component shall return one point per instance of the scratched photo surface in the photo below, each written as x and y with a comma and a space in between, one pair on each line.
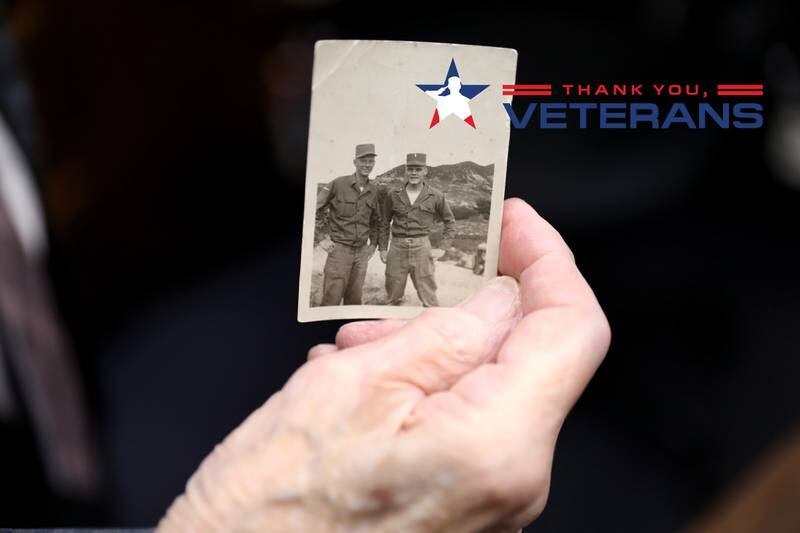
405, 176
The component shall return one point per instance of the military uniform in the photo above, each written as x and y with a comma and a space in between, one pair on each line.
352, 218
410, 248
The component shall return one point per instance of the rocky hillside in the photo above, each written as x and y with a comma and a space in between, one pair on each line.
466, 184
468, 187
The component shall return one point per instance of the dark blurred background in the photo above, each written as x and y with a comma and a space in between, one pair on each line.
173, 141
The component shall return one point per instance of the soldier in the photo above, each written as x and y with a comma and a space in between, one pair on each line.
348, 206
410, 212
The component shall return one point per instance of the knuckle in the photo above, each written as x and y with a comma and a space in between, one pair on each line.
536, 508
326, 367
314, 351
515, 479
531, 488
517, 520
590, 327
517, 488
604, 333
320, 372
595, 323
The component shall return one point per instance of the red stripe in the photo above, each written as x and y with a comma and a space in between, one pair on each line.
527, 93
527, 86
740, 93
753, 86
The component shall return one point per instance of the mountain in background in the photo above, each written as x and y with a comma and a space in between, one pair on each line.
467, 185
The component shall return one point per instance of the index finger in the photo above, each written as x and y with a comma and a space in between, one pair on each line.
564, 334
550, 356
534, 253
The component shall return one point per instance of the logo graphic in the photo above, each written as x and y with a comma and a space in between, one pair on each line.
452, 97
638, 105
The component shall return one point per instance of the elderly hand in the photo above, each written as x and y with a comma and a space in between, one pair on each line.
444, 423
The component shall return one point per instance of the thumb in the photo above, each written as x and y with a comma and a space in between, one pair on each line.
433, 351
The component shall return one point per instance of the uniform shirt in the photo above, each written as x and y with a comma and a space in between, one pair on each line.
351, 216
417, 219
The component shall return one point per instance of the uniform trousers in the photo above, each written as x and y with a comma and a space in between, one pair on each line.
345, 270
411, 256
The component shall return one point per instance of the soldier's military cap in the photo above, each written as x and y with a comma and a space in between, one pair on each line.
364, 150
416, 159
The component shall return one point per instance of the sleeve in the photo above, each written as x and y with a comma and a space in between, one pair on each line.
385, 209
325, 195
446, 214
376, 222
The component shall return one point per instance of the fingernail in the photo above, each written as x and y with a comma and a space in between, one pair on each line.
497, 301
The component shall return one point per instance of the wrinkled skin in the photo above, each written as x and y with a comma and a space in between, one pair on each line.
443, 423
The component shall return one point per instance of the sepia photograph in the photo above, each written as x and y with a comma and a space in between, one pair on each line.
408, 145
171, 171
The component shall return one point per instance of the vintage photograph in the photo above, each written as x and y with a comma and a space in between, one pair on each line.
408, 145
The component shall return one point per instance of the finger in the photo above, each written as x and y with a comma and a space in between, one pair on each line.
550, 356
433, 351
321, 349
528, 242
564, 335
355, 333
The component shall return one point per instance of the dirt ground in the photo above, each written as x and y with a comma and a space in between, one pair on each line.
455, 283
